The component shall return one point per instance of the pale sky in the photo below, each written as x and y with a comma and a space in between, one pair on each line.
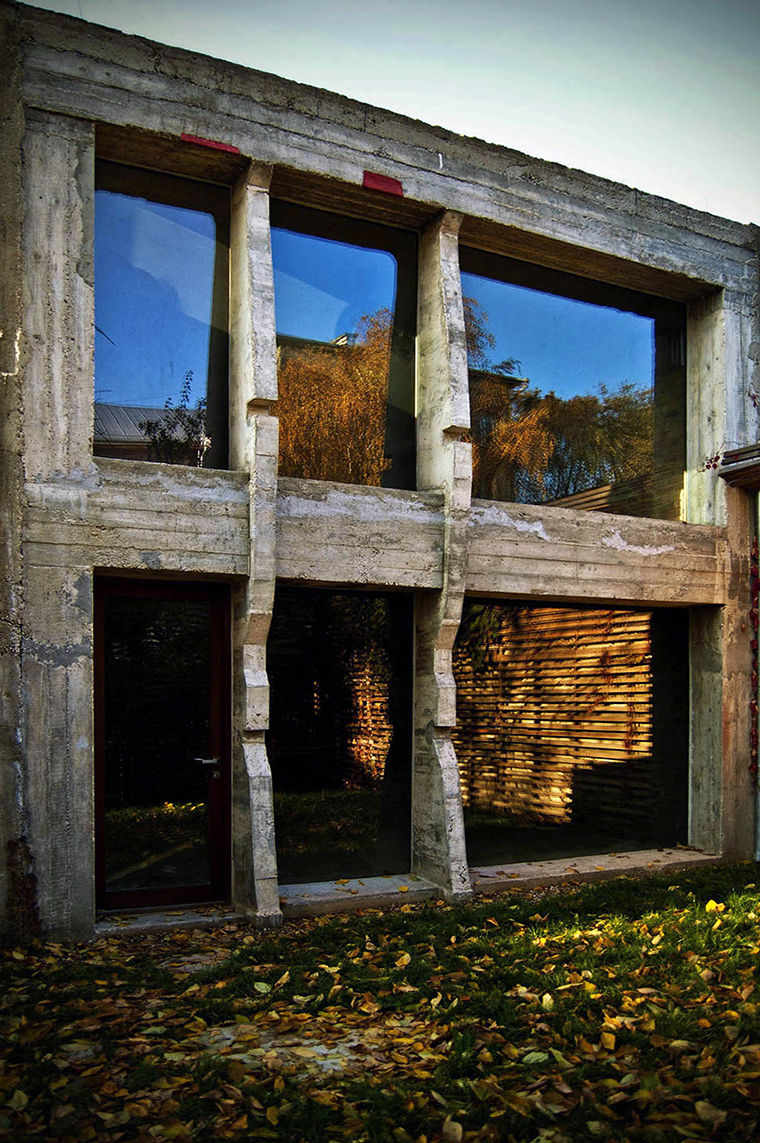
663, 95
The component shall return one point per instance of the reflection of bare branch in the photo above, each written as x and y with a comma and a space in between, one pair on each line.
178, 434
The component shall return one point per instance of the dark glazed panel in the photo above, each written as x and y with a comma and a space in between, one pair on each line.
345, 300
161, 317
162, 724
577, 390
339, 743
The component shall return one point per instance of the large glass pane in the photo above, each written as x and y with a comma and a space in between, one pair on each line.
157, 655
339, 743
161, 252
572, 729
576, 389
345, 305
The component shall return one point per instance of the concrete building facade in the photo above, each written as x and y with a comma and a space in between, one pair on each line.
74, 94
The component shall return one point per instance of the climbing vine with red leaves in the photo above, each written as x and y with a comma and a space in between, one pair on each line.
754, 591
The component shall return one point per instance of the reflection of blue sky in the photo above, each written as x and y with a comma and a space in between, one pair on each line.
562, 344
154, 273
322, 288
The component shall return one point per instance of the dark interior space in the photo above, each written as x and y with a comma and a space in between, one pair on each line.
340, 742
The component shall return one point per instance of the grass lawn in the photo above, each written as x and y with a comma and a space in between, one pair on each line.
622, 1011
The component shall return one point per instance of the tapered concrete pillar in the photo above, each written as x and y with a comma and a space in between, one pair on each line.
444, 462
253, 448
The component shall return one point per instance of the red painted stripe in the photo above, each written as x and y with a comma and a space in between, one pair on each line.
382, 183
210, 143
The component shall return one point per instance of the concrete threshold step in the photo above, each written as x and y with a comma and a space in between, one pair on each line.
157, 920
352, 893
594, 867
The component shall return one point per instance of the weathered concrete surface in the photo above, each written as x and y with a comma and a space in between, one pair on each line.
529, 551
607, 228
129, 515
444, 462
254, 447
317, 897
12, 821
376, 537
596, 867
57, 387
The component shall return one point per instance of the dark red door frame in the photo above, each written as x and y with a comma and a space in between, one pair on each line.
218, 597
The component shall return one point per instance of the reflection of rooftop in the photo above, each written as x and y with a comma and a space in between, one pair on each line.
741, 467
121, 423
506, 379
288, 345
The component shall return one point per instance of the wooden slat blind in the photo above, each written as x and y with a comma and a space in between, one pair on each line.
554, 716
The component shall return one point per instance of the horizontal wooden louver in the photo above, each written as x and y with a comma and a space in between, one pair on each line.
554, 717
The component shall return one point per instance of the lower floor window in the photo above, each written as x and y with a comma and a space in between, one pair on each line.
162, 708
572, 729
340, 738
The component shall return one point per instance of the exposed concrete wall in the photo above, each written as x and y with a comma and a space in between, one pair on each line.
719, 411
57, 722
376, 537
80, 514
95, 72
12, 823
444, 462
527, 550
254, 442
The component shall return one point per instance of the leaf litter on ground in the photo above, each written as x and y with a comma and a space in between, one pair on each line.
622, 1011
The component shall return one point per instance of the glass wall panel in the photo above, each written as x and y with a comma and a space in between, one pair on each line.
161, 302
572, 729
345, 300
340, 737
577, 390
162, 742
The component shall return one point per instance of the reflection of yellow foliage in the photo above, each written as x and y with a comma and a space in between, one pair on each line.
332, 407
503, 445
532, 446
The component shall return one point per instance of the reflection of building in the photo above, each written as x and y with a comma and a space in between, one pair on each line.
120, 429
90, 538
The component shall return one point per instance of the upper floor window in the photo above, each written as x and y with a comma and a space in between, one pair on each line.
161, 317
577, 390
345, 302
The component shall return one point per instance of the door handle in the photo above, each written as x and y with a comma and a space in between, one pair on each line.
208, 761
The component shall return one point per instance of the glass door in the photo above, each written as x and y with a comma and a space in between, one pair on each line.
162, 740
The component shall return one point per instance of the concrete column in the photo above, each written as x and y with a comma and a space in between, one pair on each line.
57, 388
254, 448
444, 462
12, 875
721, 797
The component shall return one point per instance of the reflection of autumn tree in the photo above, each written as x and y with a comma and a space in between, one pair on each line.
532, 446
332, 406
